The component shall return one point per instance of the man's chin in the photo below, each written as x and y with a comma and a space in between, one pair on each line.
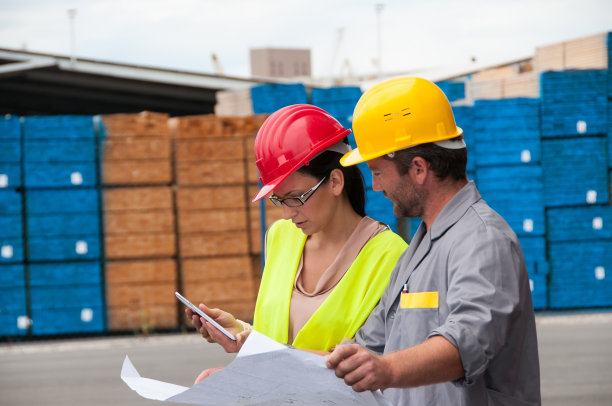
397, 211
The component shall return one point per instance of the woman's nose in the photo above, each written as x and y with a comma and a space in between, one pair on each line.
289, 212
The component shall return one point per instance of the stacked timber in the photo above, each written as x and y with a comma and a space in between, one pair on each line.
211, 156
139, 222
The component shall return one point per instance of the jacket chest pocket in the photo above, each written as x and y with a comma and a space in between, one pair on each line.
417, 315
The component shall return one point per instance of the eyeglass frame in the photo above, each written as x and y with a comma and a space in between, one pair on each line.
301, 198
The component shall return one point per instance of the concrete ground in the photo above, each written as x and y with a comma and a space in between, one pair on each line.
575, 361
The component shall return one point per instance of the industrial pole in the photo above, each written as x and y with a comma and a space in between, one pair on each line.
379, 9
71, 14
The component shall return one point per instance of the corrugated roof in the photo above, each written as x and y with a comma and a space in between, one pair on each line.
37, 83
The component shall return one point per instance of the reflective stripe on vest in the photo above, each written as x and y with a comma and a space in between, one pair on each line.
347, 306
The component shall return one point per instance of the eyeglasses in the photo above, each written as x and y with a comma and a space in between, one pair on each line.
298, 200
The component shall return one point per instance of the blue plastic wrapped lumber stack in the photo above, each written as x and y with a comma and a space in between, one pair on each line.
464, 118
59, 151
338, 101
610, 131
509, 177
11, 226
575, 171
11, 213
66, 297
507, 131
377, 205
268, 98
452, 90
575, 162
574, 103
576, 187
63, 225
10, 152
609, 43
580, 248
13, 306
515, 192
14, 319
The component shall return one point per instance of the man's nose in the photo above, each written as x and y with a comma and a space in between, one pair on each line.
376, 184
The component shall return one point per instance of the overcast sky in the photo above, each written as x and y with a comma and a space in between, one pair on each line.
182, 34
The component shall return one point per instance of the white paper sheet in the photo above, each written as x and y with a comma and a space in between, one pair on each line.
258, 343
148, 388
264, 373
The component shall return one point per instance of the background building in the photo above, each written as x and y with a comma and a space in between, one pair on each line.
280, 63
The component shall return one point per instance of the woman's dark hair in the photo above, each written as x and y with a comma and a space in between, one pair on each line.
354, 186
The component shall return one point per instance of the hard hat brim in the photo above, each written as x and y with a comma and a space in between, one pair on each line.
352, 157
266, 189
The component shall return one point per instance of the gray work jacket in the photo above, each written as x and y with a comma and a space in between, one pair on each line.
472, 258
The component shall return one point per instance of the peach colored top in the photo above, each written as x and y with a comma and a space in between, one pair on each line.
303, 303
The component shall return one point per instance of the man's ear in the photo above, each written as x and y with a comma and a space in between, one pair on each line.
420, 170
336, 180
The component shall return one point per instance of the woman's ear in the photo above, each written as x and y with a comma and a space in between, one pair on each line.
336, 181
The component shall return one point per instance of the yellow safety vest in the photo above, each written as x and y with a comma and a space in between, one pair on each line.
347, 306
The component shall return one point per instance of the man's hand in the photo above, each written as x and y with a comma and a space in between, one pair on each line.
360, 368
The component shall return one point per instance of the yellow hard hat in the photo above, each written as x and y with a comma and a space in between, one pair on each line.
400, 113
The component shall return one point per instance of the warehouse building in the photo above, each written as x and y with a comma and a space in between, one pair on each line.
34, 83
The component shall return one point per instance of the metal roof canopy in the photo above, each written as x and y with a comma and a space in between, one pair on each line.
43, 84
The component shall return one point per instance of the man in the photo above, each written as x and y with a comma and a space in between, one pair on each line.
455, 325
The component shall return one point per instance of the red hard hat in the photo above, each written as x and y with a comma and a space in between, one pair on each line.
289, 138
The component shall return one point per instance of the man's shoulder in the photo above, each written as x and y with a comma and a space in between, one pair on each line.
481, 219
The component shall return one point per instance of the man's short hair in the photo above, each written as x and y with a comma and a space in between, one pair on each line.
445, 163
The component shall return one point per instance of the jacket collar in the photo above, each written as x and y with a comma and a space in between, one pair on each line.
421, 243
452, 212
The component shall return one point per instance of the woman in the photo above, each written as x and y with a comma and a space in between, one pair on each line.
327, 263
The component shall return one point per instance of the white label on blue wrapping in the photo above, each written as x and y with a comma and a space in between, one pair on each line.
81, 247
76, 178
6, 251
591, 196
581, 127
528, 225
525, 156
597, 223
600, 273
531, 284
86, 315
23, 322
3, 180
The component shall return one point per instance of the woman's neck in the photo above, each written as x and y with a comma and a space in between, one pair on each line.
342, 223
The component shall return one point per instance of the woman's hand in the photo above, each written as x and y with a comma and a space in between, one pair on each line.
211, 334
206, 373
